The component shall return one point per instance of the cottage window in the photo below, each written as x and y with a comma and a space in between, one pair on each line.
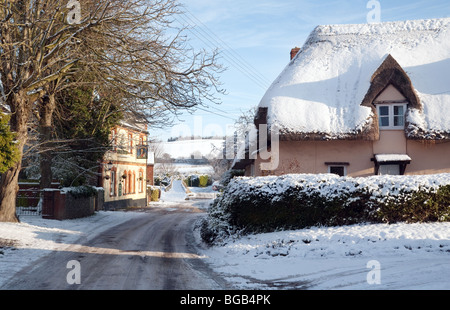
389, 170
391, 116
339, 170
391, 164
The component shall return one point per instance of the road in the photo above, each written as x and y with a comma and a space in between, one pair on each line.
154, 252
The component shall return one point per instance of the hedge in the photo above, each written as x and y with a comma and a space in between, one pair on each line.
203, 180
154, 193
266, 204
198, 180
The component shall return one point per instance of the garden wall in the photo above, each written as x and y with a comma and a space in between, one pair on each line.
71, 203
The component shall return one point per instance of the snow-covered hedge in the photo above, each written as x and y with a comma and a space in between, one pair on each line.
265, 204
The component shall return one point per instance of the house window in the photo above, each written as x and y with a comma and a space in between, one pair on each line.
140, 181
129, 188
391, 116
391, 164
112, 185
125, 182
389, 170
337, 168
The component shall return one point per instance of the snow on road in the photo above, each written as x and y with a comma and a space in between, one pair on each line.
176, 194
34, 237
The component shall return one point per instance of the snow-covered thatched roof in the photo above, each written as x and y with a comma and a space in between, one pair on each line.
321, 92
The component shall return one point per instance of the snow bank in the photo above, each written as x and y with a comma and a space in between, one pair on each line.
410, 256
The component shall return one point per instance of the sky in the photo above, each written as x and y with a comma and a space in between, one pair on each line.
255, 37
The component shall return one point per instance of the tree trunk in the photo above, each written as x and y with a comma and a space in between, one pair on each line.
46, 109
9, 183
9, 186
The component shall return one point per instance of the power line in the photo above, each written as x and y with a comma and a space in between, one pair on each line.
240, 59
238, 56
202, 38
210, 41
212, 112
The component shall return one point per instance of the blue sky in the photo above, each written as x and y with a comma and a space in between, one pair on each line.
255, 38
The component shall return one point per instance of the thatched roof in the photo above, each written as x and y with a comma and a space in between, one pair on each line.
327, 90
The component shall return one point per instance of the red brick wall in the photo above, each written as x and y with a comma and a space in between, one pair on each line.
149, 176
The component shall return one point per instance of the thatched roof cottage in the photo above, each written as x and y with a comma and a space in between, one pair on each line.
360, 100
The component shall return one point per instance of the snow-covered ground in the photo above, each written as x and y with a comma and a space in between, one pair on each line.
362, 257
399, 256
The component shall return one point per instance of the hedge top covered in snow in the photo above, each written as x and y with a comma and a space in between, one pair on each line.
322, 88
330, 185
265, 204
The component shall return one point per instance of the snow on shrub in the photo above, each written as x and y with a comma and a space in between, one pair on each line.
83, 191
265, 204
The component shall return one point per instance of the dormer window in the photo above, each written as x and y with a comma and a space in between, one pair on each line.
392, 116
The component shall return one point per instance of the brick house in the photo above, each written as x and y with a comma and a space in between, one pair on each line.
127, 169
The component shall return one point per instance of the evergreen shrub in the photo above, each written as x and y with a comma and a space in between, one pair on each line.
267, 204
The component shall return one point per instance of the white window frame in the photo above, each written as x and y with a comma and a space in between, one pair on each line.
338, 166
391, 115
112, 185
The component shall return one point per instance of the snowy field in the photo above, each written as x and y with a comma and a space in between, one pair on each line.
211, 148
187, 169
362, 257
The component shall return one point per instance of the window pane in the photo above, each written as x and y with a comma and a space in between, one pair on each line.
399, 121
398, 110
389, 170
113, 183
384, 121
339, 170
384, 110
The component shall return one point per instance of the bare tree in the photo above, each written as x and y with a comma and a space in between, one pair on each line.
121, 43
157, 147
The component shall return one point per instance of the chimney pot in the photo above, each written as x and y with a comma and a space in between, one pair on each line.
294, 52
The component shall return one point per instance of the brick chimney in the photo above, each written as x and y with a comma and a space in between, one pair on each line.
294, 52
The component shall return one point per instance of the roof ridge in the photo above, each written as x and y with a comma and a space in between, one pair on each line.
381, 28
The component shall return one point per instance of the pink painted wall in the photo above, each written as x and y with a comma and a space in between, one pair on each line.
311, 156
